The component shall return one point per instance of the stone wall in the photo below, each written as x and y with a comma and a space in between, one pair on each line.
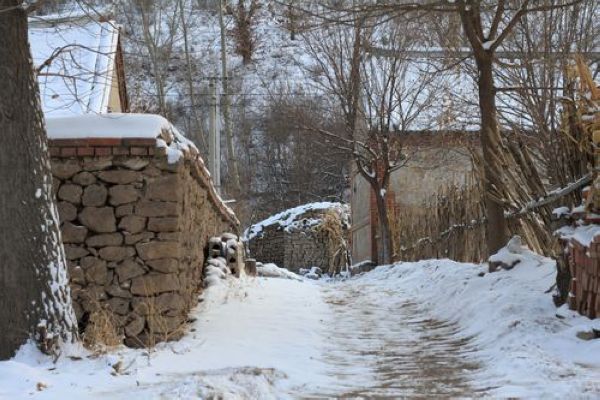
292, 250
135, 228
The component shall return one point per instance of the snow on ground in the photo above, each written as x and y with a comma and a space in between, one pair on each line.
428, 328
526, 350
255, 338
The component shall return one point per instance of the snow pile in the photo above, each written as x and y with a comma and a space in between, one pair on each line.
311, 273
527, 348
584, 234
245, 343
271, 270
225, 257
302, 217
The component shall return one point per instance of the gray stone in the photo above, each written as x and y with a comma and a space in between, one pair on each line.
73, 233
138, 237
149, 285
155, 250
169, 236
124, 210
156, 209
99, 219
97, 273
164, 265
116, 253
166, 188
129, 269
119, 176
91, 262
66, 211
168, 224
117, 291
96, 163
141, 305
84, 178
132, 224
169, 302
123, 194
136, 326
71, 193
119, 305
77, 275
129, 162
105, 239
94, 195
65, 170
75, 252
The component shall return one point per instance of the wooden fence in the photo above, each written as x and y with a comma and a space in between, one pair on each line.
450, 224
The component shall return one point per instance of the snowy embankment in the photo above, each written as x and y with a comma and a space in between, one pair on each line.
527, 347
253, 338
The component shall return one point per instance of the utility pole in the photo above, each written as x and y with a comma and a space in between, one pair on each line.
214, 138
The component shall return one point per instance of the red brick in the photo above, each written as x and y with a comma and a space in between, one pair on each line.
143, 142
120, 151
108, 142
139, 151
68, 151
103, 151
67, 142
85, 151
54, 151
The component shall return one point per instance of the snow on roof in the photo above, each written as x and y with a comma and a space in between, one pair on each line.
81, 55
294, 217
584, 234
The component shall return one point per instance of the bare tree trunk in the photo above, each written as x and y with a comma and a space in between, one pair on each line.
35, 300
491, 144
232, 163
384, 227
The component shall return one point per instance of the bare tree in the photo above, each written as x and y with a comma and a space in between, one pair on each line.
381, 97
232, 162
35, 299
486, 25
244, 15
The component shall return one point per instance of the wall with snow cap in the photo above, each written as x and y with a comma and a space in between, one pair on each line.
136, 211
290, 239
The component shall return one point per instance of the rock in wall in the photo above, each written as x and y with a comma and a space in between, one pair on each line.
135, 229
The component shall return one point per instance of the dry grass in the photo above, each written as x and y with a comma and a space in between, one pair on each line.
101, 333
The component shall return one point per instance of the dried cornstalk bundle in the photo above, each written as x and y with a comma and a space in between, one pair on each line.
331, 227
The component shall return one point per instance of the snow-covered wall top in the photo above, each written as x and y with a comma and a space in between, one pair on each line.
299, 217
77, 60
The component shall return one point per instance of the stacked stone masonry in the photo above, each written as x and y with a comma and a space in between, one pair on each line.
292, 250
135, 229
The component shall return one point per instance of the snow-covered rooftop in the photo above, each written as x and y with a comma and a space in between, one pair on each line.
80, 56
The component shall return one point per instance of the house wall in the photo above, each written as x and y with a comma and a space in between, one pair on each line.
429, 168
134, 229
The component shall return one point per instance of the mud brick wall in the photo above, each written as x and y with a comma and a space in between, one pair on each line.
135, 229
291, 250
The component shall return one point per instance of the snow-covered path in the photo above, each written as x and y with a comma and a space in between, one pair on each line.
434, 328
382, 345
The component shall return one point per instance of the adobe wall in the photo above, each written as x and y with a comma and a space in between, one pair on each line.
135, 229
